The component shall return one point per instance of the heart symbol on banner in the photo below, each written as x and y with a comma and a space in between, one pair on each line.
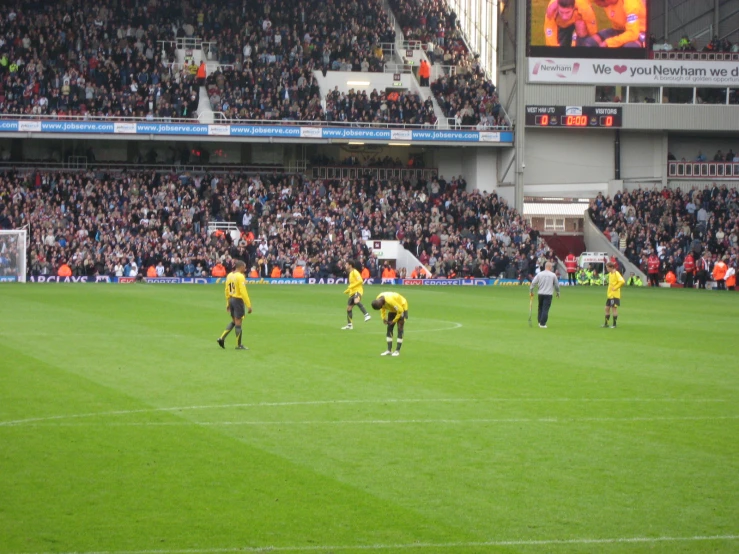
619, 68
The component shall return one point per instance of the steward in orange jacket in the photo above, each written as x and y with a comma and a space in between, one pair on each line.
298, 272
276, 272
719, 273
64, 270
365, 273
670, 278
219, 270
730, 278
253, 274
152, 271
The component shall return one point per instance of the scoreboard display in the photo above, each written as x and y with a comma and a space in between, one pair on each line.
582, 117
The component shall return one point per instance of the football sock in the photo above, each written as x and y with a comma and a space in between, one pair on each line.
348, 317
228, 330
399, 342
607, 318
361, 307
615, 317
238, 334
389, 338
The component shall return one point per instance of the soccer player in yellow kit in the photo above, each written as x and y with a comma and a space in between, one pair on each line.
355, 290
629, 25
237, 298
613, 295
568, 22
393, 309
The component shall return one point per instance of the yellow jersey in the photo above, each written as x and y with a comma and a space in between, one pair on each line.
630, 17
356, 283
615, 282
393, 303
236, 288
583, 11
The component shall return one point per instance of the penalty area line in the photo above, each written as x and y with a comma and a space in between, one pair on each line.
31, 420
471, 421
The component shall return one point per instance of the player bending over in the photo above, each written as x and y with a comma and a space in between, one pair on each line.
355, 290
629, 25
613, 295
568, 22
393, 309
236, 298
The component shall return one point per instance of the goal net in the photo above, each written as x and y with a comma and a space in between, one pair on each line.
13, 256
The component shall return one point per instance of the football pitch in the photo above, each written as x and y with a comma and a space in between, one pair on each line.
124, 428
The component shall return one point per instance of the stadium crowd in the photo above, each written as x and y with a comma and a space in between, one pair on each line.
137, 223
670, 224
82, 58
382, 107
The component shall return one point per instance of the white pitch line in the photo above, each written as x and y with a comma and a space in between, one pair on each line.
388, 421
358, 401
413, 545
454, 325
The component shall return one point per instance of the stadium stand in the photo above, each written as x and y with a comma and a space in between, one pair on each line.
83, 58
105, 223
671, 223
465, 94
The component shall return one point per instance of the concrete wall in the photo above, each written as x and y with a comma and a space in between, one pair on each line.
643, 156
479, 166
575, 159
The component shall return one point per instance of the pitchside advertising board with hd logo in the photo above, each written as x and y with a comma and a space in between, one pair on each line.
633, 72
340, 281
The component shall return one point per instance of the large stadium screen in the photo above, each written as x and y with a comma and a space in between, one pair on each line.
588, 28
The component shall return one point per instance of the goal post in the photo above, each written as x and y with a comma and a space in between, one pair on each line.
13, 251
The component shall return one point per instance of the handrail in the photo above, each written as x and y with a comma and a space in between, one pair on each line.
398, 68
700, 170
596, 241
225, 121
359, 172
6, 165
697, 56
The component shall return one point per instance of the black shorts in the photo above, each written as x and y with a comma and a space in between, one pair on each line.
392, 315
236, 307
352, 302
564, 36
613, 302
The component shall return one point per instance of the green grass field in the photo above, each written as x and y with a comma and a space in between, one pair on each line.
538, 11
124, 428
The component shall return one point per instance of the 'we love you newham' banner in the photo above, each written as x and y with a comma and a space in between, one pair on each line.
634, 72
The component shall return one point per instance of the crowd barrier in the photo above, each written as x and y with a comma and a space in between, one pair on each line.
255, 131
